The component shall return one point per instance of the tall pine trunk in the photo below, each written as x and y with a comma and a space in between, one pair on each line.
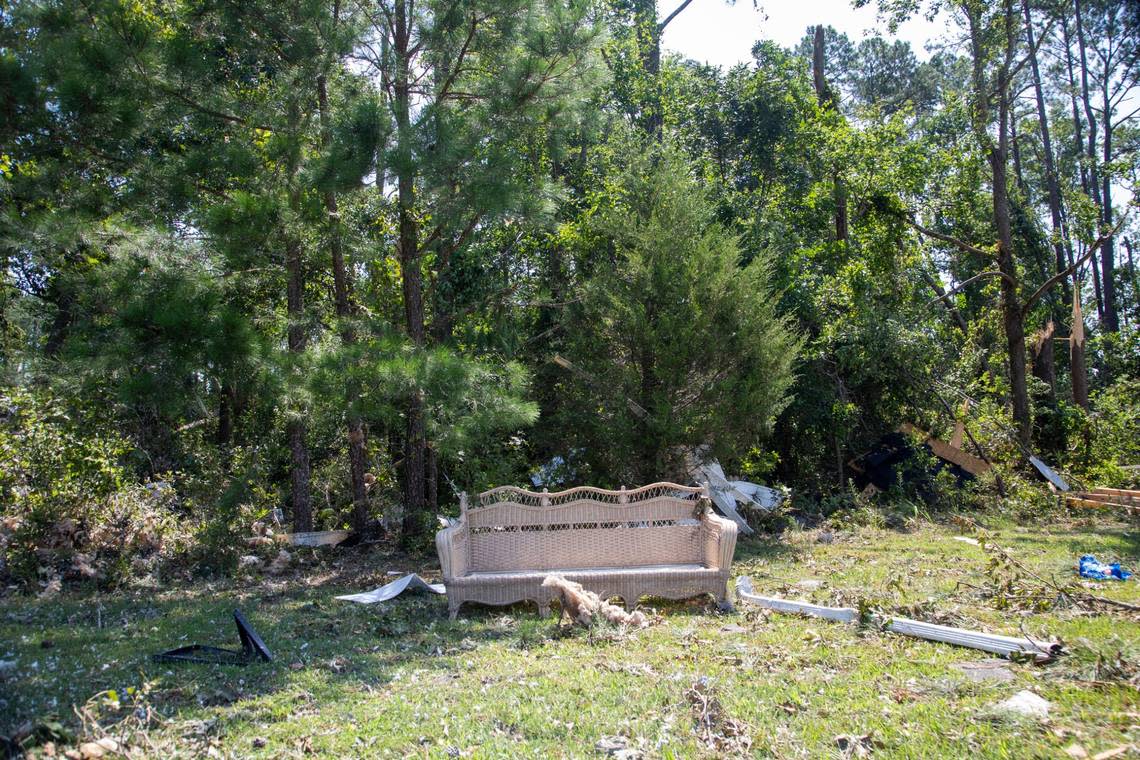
1106, 289
342, 300
1052, 184
295, 306
415, 439
826, 100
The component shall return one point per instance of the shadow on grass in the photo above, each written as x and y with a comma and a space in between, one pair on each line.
70, 648
1123, 543
764, 549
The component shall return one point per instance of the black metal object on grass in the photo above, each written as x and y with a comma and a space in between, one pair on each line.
252, 648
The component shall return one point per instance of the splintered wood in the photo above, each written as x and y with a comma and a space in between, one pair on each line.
1111, 499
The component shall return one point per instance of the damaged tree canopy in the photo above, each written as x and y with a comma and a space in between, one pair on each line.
892, 461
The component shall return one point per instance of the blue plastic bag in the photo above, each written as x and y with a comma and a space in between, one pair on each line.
1090, 568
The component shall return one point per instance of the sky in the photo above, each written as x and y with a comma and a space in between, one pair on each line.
712, 31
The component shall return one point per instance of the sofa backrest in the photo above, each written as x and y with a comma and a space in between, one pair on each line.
514, 529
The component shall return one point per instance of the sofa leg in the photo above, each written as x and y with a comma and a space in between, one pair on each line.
544, 609
453, 610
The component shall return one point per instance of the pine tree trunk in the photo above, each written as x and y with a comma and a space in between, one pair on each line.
1012, 318
226, 410
1080, 377
826, 100
1106, 291
1051, 182
298, 451
1108, 248
415, 444
342, 301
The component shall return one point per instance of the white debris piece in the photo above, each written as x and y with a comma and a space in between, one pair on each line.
1006, 646
727, 493
394, 589
1026, 703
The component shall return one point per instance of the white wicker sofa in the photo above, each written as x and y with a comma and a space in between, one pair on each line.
659, 540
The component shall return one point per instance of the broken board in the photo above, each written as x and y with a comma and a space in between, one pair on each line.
943, 450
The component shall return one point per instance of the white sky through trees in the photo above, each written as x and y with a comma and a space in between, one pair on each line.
712, 31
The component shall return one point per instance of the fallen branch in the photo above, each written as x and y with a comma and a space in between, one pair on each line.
1061, 590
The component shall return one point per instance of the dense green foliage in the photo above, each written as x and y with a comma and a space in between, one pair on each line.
320, 259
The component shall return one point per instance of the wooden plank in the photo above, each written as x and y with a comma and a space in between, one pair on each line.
1107, 497
943, 450
956, 438
1091, 504
1128, 494
314, 538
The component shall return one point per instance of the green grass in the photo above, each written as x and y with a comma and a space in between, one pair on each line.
402, 680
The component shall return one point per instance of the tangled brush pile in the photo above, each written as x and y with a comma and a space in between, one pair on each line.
583, 606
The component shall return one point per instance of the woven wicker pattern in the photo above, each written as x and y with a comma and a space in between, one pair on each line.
657, 540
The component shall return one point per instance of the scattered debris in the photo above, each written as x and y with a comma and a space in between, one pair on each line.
618, 747
985, 670
1112, 499
394, 589
967, 540
99, 748
252, 648
715, 728
1049, 474
947, 452
1017, 574
582, 606
725, 493
315, 538
857, 746
280, 563
1025, 703
1007, 646
892, 461
1088, 567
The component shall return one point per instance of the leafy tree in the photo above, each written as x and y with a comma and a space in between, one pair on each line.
684, 340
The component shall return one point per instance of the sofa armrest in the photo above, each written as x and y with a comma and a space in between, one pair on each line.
719, 537
451, 544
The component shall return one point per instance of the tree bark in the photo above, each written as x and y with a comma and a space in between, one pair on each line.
950, 307
985, 91
295, 306
415, 443
1043, 364
1080, 381
1106, 296
1108, 247
826, 98
1012, 319
1052, 183
342, 301
226, 410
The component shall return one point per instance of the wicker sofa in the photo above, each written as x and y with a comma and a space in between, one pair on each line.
658, 540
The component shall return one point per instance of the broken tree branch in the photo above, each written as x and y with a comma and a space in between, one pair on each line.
1074, 266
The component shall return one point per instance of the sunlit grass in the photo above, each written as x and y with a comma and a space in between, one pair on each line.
401, 679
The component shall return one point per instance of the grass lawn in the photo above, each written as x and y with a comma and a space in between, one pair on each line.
401, 680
